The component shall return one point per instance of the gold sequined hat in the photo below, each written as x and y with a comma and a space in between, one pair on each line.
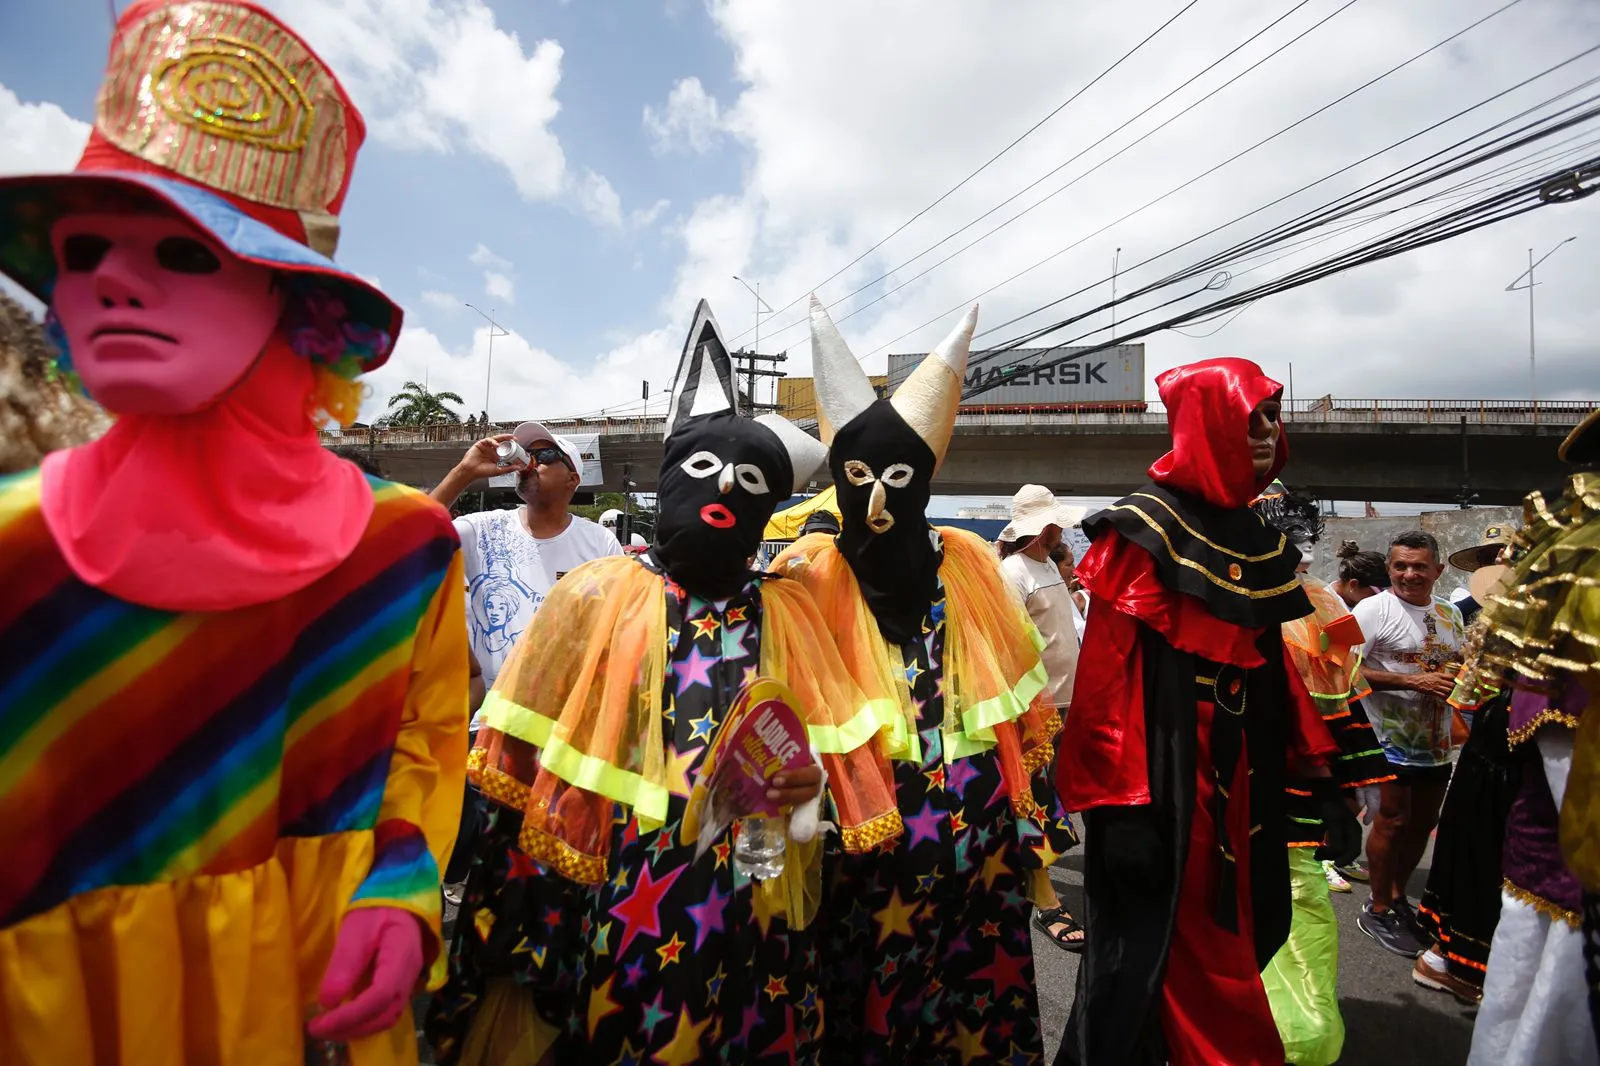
217, 111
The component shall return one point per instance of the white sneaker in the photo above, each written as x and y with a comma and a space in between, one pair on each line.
452, 894
1336, 881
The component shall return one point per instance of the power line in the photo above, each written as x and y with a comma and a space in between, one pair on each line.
1093, 169
1231, 222
1079, 155
1559, 186
1321, 215
991, 160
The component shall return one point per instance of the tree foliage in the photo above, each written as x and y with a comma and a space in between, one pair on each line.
416, 405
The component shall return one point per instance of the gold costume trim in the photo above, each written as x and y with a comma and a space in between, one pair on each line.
562, 857
1548, 716
501, 787
1540, 904
1207, 541
1240, 590
1037, 759
872, 833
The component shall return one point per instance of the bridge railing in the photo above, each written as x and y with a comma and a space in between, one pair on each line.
1323, 410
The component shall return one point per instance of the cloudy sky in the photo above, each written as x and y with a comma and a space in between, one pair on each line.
588, 170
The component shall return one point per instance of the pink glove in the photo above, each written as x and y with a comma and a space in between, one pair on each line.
383, 945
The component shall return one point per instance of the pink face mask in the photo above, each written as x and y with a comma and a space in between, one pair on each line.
160, 319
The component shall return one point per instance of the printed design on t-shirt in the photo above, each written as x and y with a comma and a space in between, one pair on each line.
500, 601
1416, 728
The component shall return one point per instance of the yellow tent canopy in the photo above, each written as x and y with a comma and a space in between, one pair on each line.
785, 525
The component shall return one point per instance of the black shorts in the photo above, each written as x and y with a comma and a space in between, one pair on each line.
1412, 775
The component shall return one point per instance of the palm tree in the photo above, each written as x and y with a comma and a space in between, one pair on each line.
417, 406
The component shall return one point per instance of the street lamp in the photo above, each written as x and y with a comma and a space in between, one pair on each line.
488, 375
1533, 372
760, 303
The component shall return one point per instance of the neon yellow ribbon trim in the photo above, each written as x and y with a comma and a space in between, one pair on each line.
514, 720
982, 717
874, 715
963, 746
647, 798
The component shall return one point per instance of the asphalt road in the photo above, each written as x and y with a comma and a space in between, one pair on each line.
1389, 1019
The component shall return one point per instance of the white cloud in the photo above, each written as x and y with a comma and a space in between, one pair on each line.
436, 76
644, 217
38, 138
483, 256
497, 274
844, 141
691, 121
499, 287
529, 381
598, 200
440, 300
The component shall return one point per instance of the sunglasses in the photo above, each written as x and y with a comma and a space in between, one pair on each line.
549, 455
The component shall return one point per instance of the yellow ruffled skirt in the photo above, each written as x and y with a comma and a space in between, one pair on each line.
220, 969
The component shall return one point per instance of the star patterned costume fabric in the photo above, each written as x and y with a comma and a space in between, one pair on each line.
641, 968
927, 951
590, 930
929, 957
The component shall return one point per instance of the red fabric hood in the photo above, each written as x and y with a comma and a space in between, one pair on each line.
1208, 411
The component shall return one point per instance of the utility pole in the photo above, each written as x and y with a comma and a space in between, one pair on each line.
755, 346
1533, 370
744, 362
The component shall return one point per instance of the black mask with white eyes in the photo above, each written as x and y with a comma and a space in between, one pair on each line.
722, 476
883, 473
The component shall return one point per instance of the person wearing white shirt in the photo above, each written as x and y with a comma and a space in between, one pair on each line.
513, 557
1410, 659
1027, 543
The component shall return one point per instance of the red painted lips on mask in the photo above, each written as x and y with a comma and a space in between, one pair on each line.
717, 516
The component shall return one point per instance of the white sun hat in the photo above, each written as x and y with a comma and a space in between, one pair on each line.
1034, 507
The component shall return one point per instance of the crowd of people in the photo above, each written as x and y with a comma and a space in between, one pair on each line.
261, 720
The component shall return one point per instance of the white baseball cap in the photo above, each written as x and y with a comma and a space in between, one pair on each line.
530, 433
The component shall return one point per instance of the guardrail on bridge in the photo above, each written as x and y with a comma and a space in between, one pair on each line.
1326, 410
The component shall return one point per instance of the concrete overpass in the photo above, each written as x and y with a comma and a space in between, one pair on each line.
1412, 450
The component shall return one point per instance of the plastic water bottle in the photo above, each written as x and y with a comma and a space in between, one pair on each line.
758, 849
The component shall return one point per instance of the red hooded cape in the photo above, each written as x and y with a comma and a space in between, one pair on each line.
1103, 748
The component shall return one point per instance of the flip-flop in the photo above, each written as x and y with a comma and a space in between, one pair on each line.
1057, 916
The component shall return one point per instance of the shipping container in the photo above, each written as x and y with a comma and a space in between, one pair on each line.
1109, 376
797, 397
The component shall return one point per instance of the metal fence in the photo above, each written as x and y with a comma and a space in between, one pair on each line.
1325, 410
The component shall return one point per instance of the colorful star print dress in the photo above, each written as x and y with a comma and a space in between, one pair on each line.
670, 960
932, 937
927, 952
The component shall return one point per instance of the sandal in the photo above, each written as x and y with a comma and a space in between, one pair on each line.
1059, 916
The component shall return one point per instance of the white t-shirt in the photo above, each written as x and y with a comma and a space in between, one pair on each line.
1413, 727
1050, 606
509, 573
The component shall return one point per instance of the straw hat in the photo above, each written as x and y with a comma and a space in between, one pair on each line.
1484, 552
1486, 581
1034, 507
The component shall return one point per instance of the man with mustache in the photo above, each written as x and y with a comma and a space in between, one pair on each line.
1411, 655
